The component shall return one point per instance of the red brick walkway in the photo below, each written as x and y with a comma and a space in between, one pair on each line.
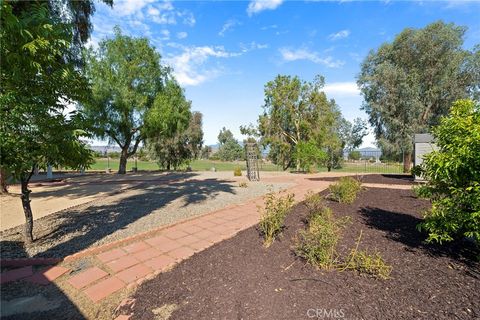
140, 259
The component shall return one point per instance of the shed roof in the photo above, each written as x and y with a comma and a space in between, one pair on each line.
423, 138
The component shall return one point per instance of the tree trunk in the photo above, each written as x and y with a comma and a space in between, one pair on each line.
3, 181
122, 168
28, 230
407, 161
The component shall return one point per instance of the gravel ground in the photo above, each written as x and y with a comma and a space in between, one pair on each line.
136, 210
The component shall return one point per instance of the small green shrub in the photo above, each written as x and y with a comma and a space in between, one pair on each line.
317, 244
366, 263
345, 190
243, 184
354, 155
314, 202
453, 176
422, 192
273, 215
237, 172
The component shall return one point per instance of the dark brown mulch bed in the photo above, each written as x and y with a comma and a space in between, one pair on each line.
240, 279
376, 178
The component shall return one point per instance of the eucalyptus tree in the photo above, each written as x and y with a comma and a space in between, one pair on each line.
295, 111
126, 76
410, 83
39, 77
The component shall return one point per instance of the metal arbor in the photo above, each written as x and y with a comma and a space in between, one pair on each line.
252, 161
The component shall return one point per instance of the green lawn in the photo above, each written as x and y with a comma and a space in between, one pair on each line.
197, 165
371, 167
205, 165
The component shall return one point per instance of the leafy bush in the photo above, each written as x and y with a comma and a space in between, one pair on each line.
354, 155
114, 154
308, 155
453, 176
313, 202
237, 172
273, 215
366, 263
318, 243
345, 190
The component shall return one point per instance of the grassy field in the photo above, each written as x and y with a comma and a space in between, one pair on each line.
205, 165
197, 165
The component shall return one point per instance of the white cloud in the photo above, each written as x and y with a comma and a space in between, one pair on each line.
256, 6
252, 46
305, 54
165, 13
273, 26
165, 34
339, 35
342, 88
182, 35
189, 67
187, 18
229, 25
129, 7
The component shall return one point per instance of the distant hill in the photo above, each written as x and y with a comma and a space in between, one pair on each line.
102, 149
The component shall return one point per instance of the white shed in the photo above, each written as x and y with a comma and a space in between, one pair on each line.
423, 144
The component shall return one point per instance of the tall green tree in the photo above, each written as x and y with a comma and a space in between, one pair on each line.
294, 111
174, 132
38, 79
410, 83
126, 76
352, 134
74, 14
229, 149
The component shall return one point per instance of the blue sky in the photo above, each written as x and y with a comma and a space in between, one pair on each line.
223, 53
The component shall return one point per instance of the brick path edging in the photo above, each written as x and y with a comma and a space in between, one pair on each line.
22, 262
139, 236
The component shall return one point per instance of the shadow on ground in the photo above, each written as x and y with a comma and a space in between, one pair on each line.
83, 186
25, 300
402, 228
73, 230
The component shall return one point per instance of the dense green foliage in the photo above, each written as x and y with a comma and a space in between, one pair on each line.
229, 149
295, 112
175, 135
345, 190
302, 128
126, 76
410, 83
453, 175
273, 215
308, 154
354, 155
39, 78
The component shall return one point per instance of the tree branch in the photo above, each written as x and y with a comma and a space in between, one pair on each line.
135, 146
110, 133
290, 137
